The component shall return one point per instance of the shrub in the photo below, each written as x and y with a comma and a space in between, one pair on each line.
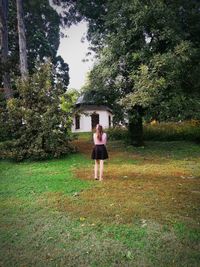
172, 131
117, 133
165, 131
4, 127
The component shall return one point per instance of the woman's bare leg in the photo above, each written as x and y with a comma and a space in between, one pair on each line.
96, 169
101, 170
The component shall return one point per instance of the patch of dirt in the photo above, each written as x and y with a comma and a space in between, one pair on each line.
131, 191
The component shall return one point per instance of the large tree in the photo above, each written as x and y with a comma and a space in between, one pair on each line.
42, 24
4, 49
149, 51
22, 40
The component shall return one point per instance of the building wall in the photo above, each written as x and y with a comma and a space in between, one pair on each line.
85, 120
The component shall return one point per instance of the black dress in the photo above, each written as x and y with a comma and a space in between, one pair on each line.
99, 152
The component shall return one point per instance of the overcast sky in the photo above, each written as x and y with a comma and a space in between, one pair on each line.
73, 51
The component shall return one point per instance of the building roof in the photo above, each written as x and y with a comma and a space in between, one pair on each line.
83, 103
92, 107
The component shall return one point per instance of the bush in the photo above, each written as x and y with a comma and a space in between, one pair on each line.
188, 130
165, 131
4, 127
117, 133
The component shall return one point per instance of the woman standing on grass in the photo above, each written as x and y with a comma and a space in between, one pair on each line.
99, 152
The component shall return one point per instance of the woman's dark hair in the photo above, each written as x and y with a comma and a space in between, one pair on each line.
99, 131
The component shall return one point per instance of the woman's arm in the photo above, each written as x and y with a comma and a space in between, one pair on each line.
94, 139
104, 138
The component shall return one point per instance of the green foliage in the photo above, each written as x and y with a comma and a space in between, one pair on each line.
69, 99
148, 55
159, 86
39, 127
104, 85
165, 131
189, 131
178, 107
4, 129
117, 133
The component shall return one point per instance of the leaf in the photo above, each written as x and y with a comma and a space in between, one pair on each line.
82, 219
129, 255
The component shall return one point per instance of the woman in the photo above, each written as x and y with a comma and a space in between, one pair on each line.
99, 152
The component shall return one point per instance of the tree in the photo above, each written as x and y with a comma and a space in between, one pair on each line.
140, 42
22, 40
43, 34
39, 127
159, 86
4, 48
42, 24
68, 100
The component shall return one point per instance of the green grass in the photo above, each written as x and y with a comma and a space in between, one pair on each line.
29, 179
43, 220
83, 136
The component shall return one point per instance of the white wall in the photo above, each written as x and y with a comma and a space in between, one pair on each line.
85, 120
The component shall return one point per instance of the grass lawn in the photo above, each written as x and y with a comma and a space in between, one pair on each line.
145, 212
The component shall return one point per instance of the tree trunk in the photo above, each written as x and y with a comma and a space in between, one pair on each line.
136, 127
4, 48
22, 40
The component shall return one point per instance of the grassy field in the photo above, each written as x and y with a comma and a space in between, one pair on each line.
145, 212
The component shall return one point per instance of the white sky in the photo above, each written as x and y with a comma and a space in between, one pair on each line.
73, 51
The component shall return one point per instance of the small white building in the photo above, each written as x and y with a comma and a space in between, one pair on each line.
87, 115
